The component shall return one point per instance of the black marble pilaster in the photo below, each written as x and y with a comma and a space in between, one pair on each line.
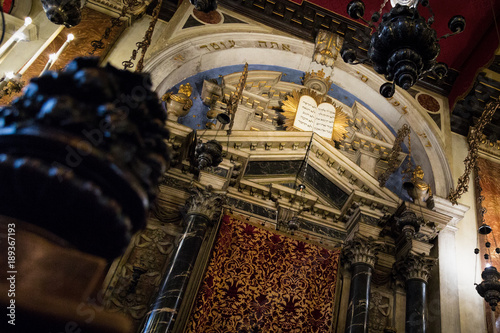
359, 298
416, 309
161, 317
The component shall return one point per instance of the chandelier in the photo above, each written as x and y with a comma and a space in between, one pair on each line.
403, 47
64, 12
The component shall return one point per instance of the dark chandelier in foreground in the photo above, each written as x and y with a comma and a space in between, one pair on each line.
403, 47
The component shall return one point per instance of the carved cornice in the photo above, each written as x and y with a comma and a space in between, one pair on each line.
415, 267
361, 250
489, 148
204, 202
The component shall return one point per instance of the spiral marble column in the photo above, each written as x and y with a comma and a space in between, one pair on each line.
416, 271
202, 207
360, 253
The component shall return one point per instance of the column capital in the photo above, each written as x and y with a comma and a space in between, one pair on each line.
361, 250
415, 266
204, 202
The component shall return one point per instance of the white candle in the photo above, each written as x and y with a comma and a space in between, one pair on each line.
15, 37
40, 50
54, 56
65, 45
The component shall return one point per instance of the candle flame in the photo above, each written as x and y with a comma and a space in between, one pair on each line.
9, 75
27, 21
53, 56
71, 37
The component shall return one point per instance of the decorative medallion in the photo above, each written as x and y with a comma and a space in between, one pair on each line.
307, 110
428, 102
212, 17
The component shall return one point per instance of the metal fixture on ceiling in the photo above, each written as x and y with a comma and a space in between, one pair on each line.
64, 12
404, 47
210, 154
207, 154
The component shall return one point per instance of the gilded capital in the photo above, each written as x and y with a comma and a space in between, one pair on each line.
415, 266
204, 202
361, 250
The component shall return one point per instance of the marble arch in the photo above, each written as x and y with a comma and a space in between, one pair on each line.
195, 52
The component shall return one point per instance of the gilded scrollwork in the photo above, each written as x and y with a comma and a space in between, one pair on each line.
474, 138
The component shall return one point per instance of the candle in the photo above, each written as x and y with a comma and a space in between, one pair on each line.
65, 45
40, 50
54, 56
15, 37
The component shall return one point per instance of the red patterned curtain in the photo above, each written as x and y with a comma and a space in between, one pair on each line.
489, 173
260, 281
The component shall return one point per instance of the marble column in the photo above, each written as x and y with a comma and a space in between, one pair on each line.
416, 271
360, 254
202, 207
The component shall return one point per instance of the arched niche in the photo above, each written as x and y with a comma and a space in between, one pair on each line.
189, 56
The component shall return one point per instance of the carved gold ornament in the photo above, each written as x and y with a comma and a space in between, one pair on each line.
307, 110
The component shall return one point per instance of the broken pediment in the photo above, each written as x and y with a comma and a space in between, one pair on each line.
367, 142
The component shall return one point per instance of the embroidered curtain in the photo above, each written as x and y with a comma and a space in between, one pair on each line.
260, 281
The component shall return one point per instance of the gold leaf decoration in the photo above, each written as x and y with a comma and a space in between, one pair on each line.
340, 124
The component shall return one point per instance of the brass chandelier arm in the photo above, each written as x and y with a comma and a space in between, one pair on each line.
474, 139
235, 98
403, 132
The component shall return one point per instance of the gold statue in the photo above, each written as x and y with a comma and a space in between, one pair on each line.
420, 190
178, 105
186, 89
